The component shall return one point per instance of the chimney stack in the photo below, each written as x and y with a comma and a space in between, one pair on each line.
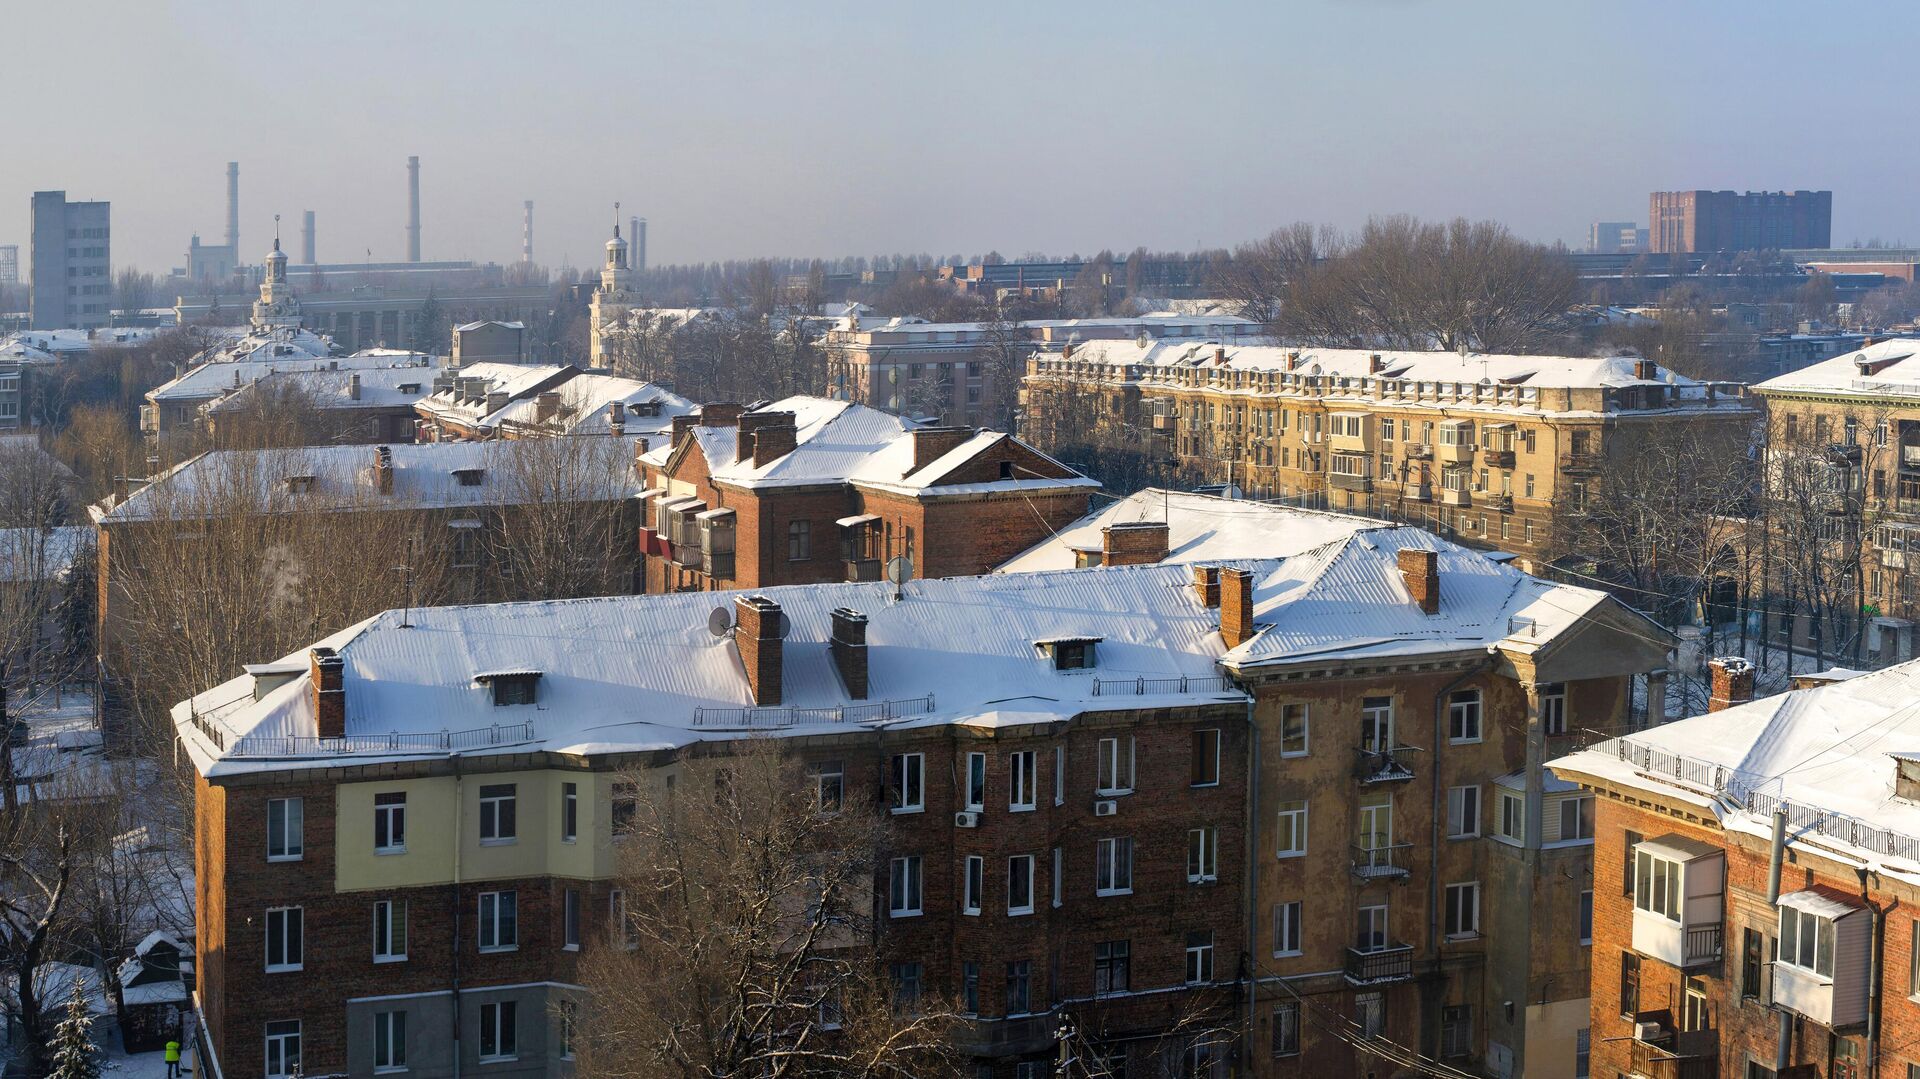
496, 401
329, 692
1644, 370
850, 650
307, 257
413, 209
1374, 363
1220, 355
1236, 606
1133, 543
353, 386
546, 406
383, 469
1420, 570
680, 425
932, 443
637, 247
1206, 585
758, 638
1732, 682
617, 419
233, 209
526, 236
772, 441
721, 414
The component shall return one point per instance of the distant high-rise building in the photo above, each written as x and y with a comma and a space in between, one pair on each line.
9, 264
1616, 238
1689, 221
72, 263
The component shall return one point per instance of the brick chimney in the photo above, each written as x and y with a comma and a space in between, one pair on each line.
1374, 363
850, 650
1206, 585
1645, 370
617, 419
1220, 355
746, 442
932, 443
681, 425
721, 414
1732, 682
329, 692
641, 447
1066, 351
1420, 570
383, 469
1293, 360
546, 406
758, 639
496, 401
353, 386
774, 441
1236, 606
1133, 543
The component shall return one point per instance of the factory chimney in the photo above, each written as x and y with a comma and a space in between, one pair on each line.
306, 240
413, 209
233, 209
639, 244
526, 237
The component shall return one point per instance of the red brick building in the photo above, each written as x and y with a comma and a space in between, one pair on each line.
1689, 221
808, 490
1756, 882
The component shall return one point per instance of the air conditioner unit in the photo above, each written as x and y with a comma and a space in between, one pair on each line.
1106, 808
1647, 1032
966, 820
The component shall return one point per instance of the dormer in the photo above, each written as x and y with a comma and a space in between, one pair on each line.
1070, 653
299, 485
510, 687
469, 477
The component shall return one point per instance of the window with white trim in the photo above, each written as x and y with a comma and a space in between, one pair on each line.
1376, 724
1370, 1013
285, 842
976, 782
390, 1041
1116, 766
499, 1040
619, 926
1293, 730
499, 921
1463, 910
1463, 812
1286, 928
1513, 817
1463, 716
1290, 830
1203, 855
570, 920
286, 932
570, 1026
1286, 1029
1576, 818
903, 887
1023, 781
1656, 887
498, 813
569, 812
390, 822
1059, 775
1806, 941
1553, 708
1200, 957
909, 788
389, 930
972, 884
1020, 884
283, 1048
1113, 866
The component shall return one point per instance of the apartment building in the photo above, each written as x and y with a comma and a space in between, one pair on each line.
1689, 221
947, 370
182, 401
1755, 885
72, 256
374, 406
1501, 451
809, 490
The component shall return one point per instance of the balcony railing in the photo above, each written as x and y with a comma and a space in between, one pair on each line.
1377, 862
1386, 765
1502, 503
775, 717
863, 569
1700, 944
1342, 482
1419, 451
1690, 1055
1582, 462
1497, 458
1373, 966
259, 745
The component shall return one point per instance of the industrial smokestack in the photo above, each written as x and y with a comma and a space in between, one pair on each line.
639, 244
233, 208
413, 209
526, 236
306, 239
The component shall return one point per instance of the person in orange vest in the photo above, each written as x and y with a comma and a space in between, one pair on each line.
173, 1060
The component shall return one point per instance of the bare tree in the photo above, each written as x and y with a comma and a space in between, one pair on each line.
746, 945
564, 530
1259, 275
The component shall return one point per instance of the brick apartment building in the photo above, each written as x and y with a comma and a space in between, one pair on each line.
374, 406
810, 490
1501, 451
1757, 873
1689, 221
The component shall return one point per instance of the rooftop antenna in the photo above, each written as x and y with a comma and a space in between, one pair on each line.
720, 622
616, 218
899, 570
406, 611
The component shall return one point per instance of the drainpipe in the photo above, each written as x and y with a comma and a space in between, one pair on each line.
1783, 1041
1253, 876
459, 838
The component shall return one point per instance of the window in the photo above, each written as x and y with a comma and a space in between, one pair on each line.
1291, 830
1020, 884
570, 917
286, 926
1059, 775
569, 812
1370, 1013
1553, 708
1693, 1006
906, 987
1463, 716
1019, 987
972, 884
513, 689
1633, 840
1456, 1030
1752, 961
1513, 817
1629, 984
1293, 730
570, 1023
909, 793
623, 807
1206, 759
1583, 1053
1806, 941
903, 889
1286, 1029
390, 823
1657, 889
1200, 957
1112, 968
1463, 812
284, 843
389, 930
1463, 910
1113, 867
389, 1041
799, 541
1370, 928
1376, 724
1576, 818
283, 1048
497, 813
1585, 915
976, 782
499, 921
1022, 781
1286, 928
498, 1039
1116, 766
1203, 855
970, 988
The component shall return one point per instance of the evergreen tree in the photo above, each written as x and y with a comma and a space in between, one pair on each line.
72, 1053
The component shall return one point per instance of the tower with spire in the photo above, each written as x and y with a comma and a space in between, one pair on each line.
276, 308
613, 299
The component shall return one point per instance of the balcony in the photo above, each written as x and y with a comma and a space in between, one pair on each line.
1377, 966
1418, 492
1452, 497
863, 569
1580, 464
1502, 502
1385, 765
1496, 458
1456, 452
1014, 1036
1418, 451
1388, 862
1677, 906
1692, 1054
1341, 482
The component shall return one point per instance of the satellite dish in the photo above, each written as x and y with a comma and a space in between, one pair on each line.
899, 570
720, 622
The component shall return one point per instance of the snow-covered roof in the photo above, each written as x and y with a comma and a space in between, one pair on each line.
516, 380
1830, 753
584, 401
224, 376
1890, 369
241, 343
643, 672
49, 346
40, 554
380, 387
484, 323
424, 477
1199, 528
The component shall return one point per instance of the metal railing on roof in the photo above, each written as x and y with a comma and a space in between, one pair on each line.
258, 745
777, 718
1148, 687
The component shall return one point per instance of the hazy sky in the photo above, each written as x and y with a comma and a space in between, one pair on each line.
827, 128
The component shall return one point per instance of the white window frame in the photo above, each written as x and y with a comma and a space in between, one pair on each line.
905, 893
1019, 903
1462, 706
499, 1018
1113, 864
1582, 808
1059, 775
973, 882
1459, 801
909, 783
390, 928
289, 844
1286, 1018
1203, 855
1291, 746
1023, 781
1806, 934
497, 812
391, 818
975, 792
1291, 820
1110, 774
492, 915
569, 812
292, 924
1376, 720
570, 932
1653, 872
1553, 708
276, 1045
1287, 934
392, 1028
1513, 810
1199, 969
1463, 910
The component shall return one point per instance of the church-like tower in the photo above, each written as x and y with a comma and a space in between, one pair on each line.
276, 308
611, 301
